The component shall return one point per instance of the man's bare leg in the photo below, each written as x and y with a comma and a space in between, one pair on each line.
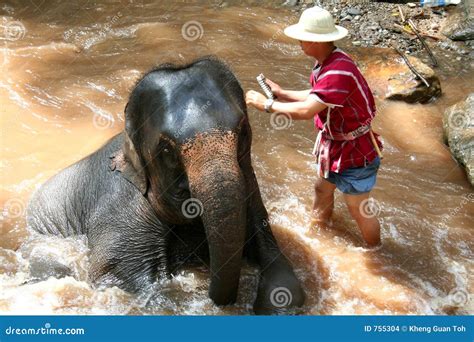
323, 204
367, 222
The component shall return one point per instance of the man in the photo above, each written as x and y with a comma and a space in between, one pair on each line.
342, 105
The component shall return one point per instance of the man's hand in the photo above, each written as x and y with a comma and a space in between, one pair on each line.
276, 89
255, 99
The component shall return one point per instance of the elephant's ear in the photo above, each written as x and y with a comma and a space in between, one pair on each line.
127, 162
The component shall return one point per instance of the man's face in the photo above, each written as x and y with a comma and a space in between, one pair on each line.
310, 48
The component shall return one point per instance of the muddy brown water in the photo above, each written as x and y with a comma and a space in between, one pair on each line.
67, 70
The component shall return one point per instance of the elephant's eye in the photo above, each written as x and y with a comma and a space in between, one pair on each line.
168, 156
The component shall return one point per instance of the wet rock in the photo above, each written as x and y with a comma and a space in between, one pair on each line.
458, 124
354, 11
406, 87
460, 24
290, 3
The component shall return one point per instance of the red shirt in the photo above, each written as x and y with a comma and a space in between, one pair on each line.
339, 83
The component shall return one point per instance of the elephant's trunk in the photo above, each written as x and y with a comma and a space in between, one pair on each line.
216, 180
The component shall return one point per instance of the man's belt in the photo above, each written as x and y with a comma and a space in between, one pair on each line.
360, 131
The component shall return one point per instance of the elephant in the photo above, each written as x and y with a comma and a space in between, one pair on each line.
175, 187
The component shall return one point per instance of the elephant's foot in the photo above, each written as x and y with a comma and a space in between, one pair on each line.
279, 291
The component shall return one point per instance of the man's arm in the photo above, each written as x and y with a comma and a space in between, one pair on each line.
288, 95
298, 110
293, 95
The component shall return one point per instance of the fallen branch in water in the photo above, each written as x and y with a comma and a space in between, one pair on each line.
412, 68
413, 27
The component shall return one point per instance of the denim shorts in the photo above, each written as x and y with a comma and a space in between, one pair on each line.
356, 180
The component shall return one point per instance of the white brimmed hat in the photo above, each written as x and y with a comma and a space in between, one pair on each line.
316, 25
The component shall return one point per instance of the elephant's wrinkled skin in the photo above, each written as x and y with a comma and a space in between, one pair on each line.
187, 137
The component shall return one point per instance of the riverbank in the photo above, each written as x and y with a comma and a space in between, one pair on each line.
380, 24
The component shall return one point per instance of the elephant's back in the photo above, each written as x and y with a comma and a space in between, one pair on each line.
64, 203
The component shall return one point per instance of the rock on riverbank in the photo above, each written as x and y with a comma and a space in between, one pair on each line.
458, 124
392, 79
460, 25
407, 87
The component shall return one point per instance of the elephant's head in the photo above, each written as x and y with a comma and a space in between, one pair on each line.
185, 130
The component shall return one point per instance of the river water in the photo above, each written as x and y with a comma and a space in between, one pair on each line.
67, 69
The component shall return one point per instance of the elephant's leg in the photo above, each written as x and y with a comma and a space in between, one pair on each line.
111, 268
279, 289
131, 262
128, 245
